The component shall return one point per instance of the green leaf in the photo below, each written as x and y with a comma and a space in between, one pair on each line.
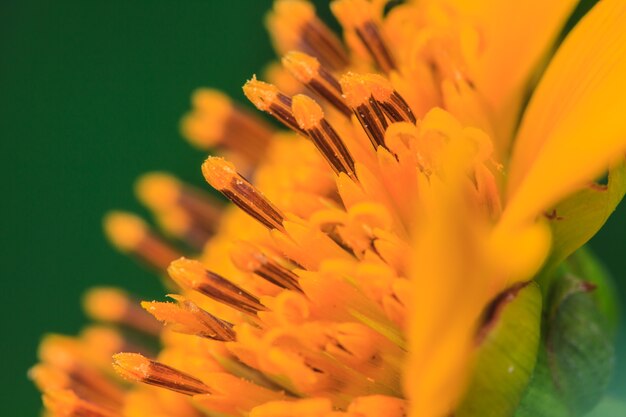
507, 354
575, 220
576, 355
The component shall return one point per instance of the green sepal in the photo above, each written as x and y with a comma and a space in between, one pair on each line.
506, 357
610, 407
575, 357
585, 264
576, 219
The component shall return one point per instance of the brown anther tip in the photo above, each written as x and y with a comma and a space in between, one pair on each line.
219, 172
302, 66
157, 190
356, 90
124, 230
307, 112
261, 94
132, 366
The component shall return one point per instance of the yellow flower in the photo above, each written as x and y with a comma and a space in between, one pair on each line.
412, 190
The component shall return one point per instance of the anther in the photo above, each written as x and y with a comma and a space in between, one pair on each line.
308, 70
294, 26
223, 176
130, 234
137, 368
113, 305
310, 118
192, 274
268, 98
215, 121
248, 258
184, 316
163, 192
66, 403
357, 91
358, 16
390, 101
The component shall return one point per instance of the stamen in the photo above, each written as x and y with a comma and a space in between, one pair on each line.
103, 341
315, 77
186, 317
223, 176
181, 225
358, 16
358, 94
49, 378
100, 390
65, 403
163, 192
249, 258
268, 98
132, 235
390, 101
293, 25
216, 121
192, 274
310, 117
115, 306
71, 357
137, 368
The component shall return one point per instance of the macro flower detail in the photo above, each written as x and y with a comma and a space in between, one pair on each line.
405, 245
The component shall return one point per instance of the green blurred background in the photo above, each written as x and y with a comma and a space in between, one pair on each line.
90, 97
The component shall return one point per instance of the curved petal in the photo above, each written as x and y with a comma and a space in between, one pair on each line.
449, 289
515, 36
575, 125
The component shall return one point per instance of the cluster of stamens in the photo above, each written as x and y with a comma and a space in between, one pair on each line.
284, 330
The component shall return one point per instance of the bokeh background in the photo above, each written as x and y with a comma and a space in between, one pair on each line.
91, 93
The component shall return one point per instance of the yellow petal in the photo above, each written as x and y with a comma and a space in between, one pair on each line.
449, 288
575, 126
515, 35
